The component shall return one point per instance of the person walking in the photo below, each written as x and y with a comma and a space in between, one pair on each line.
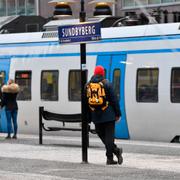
103, 110
9, 94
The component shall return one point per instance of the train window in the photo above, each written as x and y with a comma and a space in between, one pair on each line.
23, 78
116, 82
147, 85
2, 78
74, 85
49, 85
175, 85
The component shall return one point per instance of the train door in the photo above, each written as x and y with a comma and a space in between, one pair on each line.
115, 71
4, 75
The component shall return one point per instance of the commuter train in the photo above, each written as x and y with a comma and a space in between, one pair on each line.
142, 62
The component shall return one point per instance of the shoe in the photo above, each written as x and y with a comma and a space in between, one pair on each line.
118, 153
111, 162
14, 137
8, 137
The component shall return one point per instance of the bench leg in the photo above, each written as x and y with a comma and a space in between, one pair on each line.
40, 125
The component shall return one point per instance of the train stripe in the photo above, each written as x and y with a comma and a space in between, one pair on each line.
112, 40
150, 51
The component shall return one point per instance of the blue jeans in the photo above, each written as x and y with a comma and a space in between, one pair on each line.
11, 114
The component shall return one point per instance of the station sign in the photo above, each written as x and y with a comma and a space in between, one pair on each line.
82, 32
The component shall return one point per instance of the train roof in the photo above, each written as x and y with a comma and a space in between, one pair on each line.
107, 33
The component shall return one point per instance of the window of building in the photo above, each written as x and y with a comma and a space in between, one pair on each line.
116, 82
21, 10
3, 8
2, 78
175, 85
167, 1
135, 3
147, 85
75, 85
141, 3
30, 7
128, 3
23, 79
154, 1
49, 85
17, 7
11, 7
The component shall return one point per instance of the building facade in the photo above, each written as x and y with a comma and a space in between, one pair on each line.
36, 7
164, 10
18, 7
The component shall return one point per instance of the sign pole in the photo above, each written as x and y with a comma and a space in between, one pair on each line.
82, 32
82, 17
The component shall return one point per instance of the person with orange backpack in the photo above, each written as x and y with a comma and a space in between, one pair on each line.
103, 110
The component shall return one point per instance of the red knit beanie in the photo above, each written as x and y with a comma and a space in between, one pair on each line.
99, 70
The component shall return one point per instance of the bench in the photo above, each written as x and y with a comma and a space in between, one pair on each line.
64, 118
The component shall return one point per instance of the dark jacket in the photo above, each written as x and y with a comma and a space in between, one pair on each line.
9, 94
0, 98
113, 109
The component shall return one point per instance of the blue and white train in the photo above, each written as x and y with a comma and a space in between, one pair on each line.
142, 62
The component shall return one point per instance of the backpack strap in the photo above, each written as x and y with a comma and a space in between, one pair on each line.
105, 81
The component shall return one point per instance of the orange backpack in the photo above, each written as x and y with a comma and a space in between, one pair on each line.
96, 96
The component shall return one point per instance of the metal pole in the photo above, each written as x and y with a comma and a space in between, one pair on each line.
41, 109
82, 17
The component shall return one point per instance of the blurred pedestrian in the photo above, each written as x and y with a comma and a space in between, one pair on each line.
103, 110
9, 94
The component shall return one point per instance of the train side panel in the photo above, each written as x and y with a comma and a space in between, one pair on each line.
4, 75
28, 110
158, 121
146, 47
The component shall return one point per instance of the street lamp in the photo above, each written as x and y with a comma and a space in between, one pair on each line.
102, 7
62, 8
